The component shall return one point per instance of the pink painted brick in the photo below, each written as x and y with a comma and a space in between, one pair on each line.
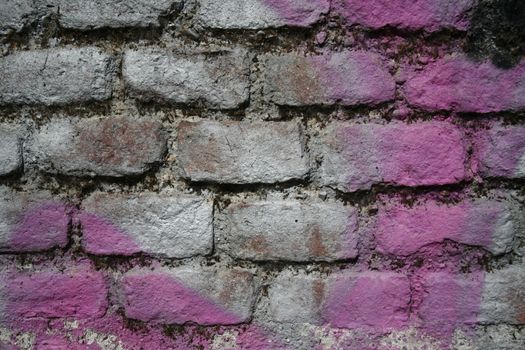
362, 300
500, 151
429, 15
32, 221
377, 300
202, 295
357, 156
77, 293
488, 223
463, 85
346, 78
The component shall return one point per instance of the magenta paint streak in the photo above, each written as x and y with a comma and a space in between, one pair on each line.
100, 236
78, 293
42, 227
160, 298
374, 301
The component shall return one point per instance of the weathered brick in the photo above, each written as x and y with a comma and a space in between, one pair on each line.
15, 15
460, 84
56, 76
288, 230
217, 79
94, 14
373, 300
357, 156
31, 221
260, 14
112, 146
503, 299
169, 224
10, 149
500, 151
346, 78
77, 293
429, 15
488, 223
202, 295
241, 152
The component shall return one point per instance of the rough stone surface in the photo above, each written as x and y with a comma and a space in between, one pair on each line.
289, 230
347, 78
218, 80
460, 84
241, 152
15, 15
260, 14
500, 151
176, 225
56, 76
429, 15
488, 223
31, 221
357, 156
111, 146
189, 294
94, 14
11, 159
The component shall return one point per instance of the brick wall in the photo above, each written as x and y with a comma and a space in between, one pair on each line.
258, 174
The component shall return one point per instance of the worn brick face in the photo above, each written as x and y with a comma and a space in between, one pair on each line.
347, 78
217, 79
56, 76
112, 146
289, 230
11, 159
241, 152
167, 224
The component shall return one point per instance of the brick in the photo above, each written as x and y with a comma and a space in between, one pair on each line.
260, 14
347, 78
219, 79
459, 84
78, 293
168, 224
241, 152
429, 15
11, 159
206, 296
500, 151
289, 230
95, 14
56, 76
375, 300
364, 300
15, 15
31, 221
358, 156
98, 146
491, 224
502, 299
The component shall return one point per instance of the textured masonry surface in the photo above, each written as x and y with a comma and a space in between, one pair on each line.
259, 175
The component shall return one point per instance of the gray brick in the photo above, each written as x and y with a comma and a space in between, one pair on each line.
169, 224
98, 146
10, 149
347, 78
56, 76
218, 80
204, 295
290, 230
241, 152
31, 221
260, 14
93, 14
15, 15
